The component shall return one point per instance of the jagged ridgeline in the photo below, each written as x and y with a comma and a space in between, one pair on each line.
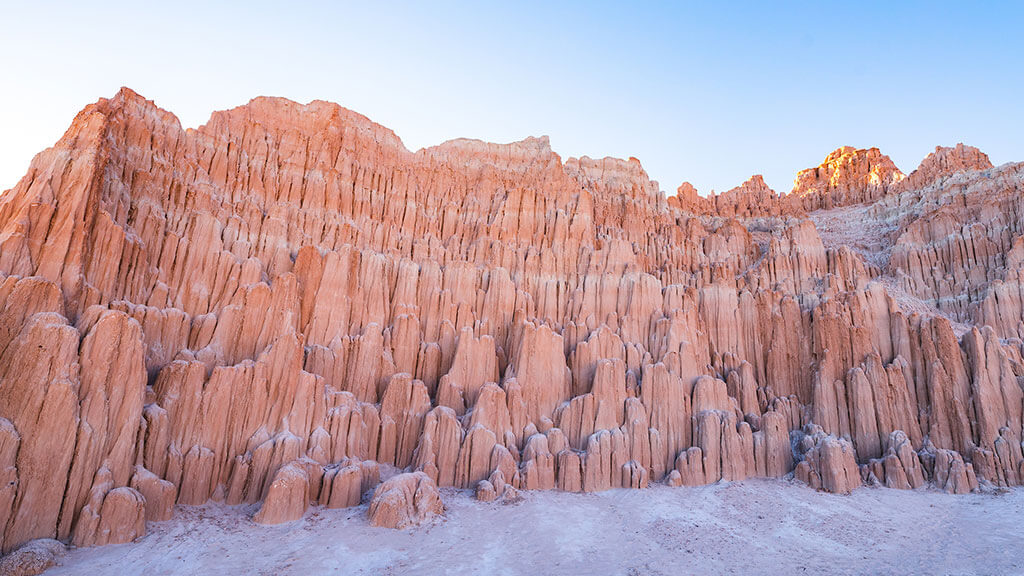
284, 303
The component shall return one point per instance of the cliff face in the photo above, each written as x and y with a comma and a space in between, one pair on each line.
260, 308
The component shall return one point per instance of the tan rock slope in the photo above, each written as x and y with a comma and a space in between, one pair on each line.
264, 308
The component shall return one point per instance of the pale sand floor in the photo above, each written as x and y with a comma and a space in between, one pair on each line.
752, 527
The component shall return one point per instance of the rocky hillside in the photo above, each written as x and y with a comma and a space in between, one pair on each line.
268, 307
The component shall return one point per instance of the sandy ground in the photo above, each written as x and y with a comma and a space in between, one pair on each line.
753, 527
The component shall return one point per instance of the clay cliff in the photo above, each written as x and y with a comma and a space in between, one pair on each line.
285, 304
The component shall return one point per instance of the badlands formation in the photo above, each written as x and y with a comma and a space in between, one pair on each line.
285, 306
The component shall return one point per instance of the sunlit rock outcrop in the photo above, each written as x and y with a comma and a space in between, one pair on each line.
847, 176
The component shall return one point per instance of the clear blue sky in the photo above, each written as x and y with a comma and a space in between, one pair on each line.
701, 92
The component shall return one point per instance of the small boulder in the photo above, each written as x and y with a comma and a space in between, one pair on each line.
404, 501
485, 491
32, 558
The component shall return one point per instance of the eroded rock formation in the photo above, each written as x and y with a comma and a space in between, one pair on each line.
33, 558
405, 501
263, 308
847, 176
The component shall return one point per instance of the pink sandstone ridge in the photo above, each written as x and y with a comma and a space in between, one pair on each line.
285, 305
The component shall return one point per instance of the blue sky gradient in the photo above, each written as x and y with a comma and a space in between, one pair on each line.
706, 92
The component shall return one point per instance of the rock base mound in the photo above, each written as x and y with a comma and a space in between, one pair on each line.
33, 558
405, 501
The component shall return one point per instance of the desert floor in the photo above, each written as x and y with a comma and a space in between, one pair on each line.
751, 527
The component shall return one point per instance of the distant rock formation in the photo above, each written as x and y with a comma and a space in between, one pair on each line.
946, 162
262, 309
847, 176
752, 199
